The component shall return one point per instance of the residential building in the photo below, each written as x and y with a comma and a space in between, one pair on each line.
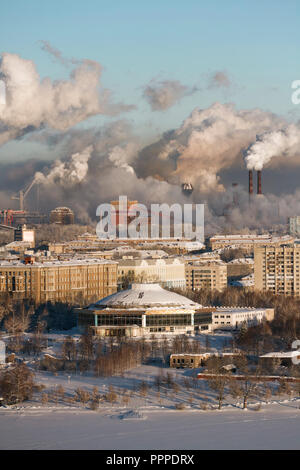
210, 275
247, 242
277, 269
58, 281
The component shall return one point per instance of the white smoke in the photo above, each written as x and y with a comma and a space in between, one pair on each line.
32, 103
209, 141
68, 173
121, 156
284, 142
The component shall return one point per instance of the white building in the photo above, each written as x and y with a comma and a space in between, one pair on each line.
168, 272
144, 309
236, 317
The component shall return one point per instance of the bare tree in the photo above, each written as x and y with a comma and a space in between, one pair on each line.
248, 382
17, 384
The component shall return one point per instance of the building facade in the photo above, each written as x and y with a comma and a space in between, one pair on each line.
167, 272
145, 309
210, 275
247, 242
277, 269
236, 318
58, 281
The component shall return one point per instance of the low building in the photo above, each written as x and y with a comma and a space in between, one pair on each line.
247, 242
144, 309
210, 275
58, 281
246, 282
235, 317
189, 361
287, 358
167, 272
194, 360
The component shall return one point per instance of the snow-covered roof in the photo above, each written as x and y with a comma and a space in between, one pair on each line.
142, 295
282, 354
67, 262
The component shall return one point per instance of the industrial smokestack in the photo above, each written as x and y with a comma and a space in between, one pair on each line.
250, 182
259, 191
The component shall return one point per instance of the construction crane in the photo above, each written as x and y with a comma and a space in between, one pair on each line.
23, 194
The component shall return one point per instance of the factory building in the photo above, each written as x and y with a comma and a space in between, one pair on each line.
62, 216
210, 275
277, 269
144, 309
58, 281
167, 272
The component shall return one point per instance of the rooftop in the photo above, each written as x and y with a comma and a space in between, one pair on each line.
146, 295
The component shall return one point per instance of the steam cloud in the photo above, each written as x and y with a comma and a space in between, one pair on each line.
162, 95
99, 164
68, 173
209, 141
32, 103
283, 142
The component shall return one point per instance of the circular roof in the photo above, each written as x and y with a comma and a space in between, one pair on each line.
145, 295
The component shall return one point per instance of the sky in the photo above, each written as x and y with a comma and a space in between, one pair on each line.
256, 43
202, 54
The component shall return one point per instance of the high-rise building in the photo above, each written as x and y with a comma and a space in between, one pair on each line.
277, 269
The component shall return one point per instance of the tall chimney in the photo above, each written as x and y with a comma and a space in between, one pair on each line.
259, 191
250, 182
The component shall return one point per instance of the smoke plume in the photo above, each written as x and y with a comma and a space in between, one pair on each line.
32, 103
280, 143
67, 173
208, 142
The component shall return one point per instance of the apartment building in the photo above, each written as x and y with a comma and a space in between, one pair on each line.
210, 275
58, 281
247, 242
277, 269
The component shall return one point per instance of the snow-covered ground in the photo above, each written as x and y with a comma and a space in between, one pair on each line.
276, 426
150, 420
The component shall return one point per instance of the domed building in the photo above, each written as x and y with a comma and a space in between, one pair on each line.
145, 309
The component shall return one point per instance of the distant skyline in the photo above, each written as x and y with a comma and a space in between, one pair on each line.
254, 45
